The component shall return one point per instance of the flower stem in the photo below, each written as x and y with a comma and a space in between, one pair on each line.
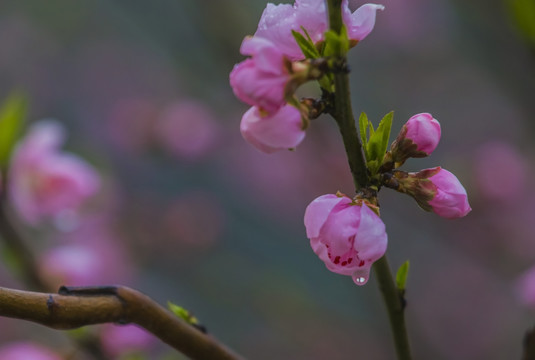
342, 112
343, 115
395, 305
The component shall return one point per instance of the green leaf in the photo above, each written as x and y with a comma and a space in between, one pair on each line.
336, 44
363, 129
378, 141
373, 166
12, 115
182, 313
523, 12
306, 45
401, 275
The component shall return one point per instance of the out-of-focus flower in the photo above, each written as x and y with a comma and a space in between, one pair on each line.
436, 190
418, 138
90, 255
282, 130
184, 222
27, 351
278, 21
501, 171
525, 288
119, 340
187, 129
43, 181
130, 123
347, 236
261, 80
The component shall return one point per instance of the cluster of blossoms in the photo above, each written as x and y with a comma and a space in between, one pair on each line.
277, 66
348, 235
288, 49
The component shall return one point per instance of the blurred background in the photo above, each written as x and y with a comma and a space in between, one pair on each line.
188, 212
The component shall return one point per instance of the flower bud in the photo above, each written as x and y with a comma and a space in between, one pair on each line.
436, 190
346, 235
281, 130
418, 138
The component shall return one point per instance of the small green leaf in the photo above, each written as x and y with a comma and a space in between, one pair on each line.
378, 141
401, 275
12, 116
336, 44
182, 313
363, 129
306, 45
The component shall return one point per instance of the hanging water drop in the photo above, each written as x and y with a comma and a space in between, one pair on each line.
360, 277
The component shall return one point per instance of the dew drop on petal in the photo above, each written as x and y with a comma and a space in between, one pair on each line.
361, 276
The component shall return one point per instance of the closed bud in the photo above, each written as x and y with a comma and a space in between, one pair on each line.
418, 138
435, 190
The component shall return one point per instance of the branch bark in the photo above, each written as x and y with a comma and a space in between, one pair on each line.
343, 115
75, 307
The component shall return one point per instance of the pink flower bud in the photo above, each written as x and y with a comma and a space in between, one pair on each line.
424, 131
260, 80
282, 130
435, 190
450, 200
27, 351
347, 237
44, 181
360, 23
418, 138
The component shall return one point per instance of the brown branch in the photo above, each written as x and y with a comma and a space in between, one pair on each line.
76, 307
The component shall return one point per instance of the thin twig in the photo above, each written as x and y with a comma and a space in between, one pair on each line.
395, 306
76, 307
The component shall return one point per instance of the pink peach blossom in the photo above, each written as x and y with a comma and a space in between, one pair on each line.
450, 199
282, 130
43, 181
278, 21
27, 351
347, 237
276, 25
260, 80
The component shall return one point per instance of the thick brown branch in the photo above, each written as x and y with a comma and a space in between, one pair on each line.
76, 307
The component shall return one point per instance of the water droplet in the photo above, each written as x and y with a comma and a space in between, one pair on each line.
360, 277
